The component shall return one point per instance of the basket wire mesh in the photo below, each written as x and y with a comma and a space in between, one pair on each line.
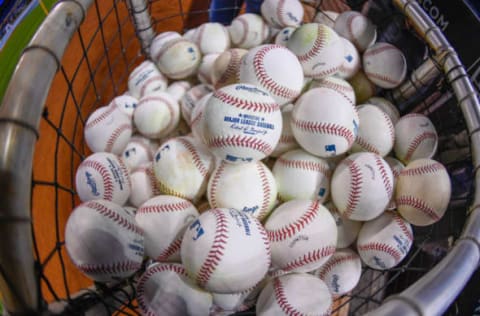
112, 39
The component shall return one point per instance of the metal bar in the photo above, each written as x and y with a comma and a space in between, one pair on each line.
19, 119
143, 23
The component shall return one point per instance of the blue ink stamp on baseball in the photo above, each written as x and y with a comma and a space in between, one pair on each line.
197, 226
92, 184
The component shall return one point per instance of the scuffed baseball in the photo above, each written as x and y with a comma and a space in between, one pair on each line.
126, 103
313, 174
357, 28
178, 89
191, 97
226, 67
178, 58
248, 30
236, 302
283, 35
351, 60
161, 39
397, 166
197, 122
287, 141
103, 241
139, 150
363, 87
385, 241
339, 85
387, 107
163, 220
144, 79
423, 192
282, 13
144, 185
385, 65
205, 69
210, 251
326, 17
212, 38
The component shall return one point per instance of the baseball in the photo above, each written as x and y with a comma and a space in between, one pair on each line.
182, 167
161, 39
341, 272
383, 242
163, 220
282, 13
139, 150
243, 123
144, 79
191, 97
283, 35
326, 17
125, 103
259, 67
356, 28
103, 241
339, 85
302, 234
294, 294
313, 174
415, 137
324, 122
190, 34
318, 48
351, 60
156, 115
362, 186
212, 38
164, 289
248, 30
178, 89
423, 192
362, 86
211, 256
236, 302
376, 133
287, 141
226, 67
397, 166
103, 176
387, 107
178, 58
249, 188
385, 65
108, 129
347, 230
197, 123
144, 184
204, 73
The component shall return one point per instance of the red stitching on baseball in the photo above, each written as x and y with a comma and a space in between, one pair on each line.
114, 216
362, 142
332, 262
170, 108
382, 77
418, 204
153, 180
265, 189
325, 128
379, 49
405, 229
165, 189
164, 208
214, 185
310, 257
111, 268
196, 119
266, 243
383, 173
352, 38
391, 128
150, 80
355, 187
245, 30
287, 139
293, 228
377, 246
172, 249
417, 141
259, 107
279, 11
101, 117
414, 115
240, 141
305, 165
430, 168
108, 185
282, 300
317, 46
167, 46
265, 80
327, 72
197, 160
232, 68
217, 249
115, 135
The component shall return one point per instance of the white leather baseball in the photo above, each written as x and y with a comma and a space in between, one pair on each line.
161, 39
178, 89
212, 38
397, 166
103, 176
362, 186
415, 137
182, 167
318, 48
341, 272
236, 302
211, 256
282, 13
178, 58
283, 35
197, 123
191, 97
139, 150
242, 123
226, 67
326, 17
324, 122
125, 103
163, 220
164, 290
260, 67
156, 115
387, 107
376, 133
385, 65
383, 242
351, 60
356, 28
347, 230
300, 175
294, 294
144, 184
144, 79
190, 34
103, 241
205, 69
287, 141
302, 234
249, 188
363, 87
108, 129
423, 192
339, 85
248, 30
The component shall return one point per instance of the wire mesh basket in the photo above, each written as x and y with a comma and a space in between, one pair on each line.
80, 59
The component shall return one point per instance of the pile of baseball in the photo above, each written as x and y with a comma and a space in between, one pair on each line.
245, 168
